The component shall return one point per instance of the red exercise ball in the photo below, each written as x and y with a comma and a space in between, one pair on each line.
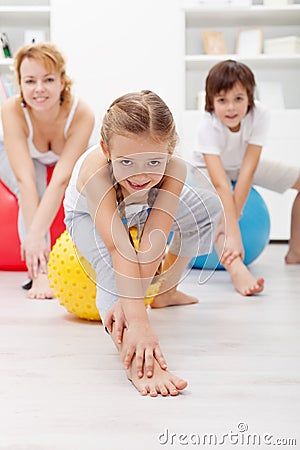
10, 258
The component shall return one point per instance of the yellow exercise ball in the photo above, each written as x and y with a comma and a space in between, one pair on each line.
72, 278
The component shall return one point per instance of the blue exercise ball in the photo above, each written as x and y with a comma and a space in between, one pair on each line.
255, 231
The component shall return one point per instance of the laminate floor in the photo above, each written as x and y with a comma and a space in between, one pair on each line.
63, 387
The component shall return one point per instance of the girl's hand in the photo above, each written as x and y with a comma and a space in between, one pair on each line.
233, 249
35, 251
143, 344
115, 319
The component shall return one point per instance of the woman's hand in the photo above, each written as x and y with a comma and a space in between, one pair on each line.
142, 343
35, 252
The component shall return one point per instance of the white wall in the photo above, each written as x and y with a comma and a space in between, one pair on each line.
116, 46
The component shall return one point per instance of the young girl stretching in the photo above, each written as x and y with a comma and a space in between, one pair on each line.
135, 180
229, 144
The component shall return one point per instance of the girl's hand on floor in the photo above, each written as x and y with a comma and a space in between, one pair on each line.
143, 345
115, 319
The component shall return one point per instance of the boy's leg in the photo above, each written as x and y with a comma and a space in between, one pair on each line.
280, 177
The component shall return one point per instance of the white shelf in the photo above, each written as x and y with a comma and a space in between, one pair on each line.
274, 22
24, 9
251, 15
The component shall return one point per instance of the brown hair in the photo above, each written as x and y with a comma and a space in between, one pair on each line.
223, 76
139, 113
49, 56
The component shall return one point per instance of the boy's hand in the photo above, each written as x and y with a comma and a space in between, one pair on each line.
233, 249
143, 344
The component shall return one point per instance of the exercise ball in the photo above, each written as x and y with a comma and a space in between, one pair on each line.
255, 231
10, 256
72, 278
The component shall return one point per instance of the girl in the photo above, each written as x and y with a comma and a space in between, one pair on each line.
229, 144
45, 125
137, 181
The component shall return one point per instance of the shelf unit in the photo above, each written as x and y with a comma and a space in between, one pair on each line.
16, 17
274, 22
284, 135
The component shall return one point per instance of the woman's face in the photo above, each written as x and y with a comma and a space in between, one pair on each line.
231, 106
41, 88
138, 163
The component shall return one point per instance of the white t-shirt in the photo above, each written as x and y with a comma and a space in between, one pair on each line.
214, 138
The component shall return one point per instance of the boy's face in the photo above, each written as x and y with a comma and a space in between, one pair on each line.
231, 106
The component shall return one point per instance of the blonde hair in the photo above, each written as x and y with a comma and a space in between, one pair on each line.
137, 114
50, 57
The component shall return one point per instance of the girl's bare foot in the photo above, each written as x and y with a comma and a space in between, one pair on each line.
40, 288
292, 257
172, 298
243, 281
162, 382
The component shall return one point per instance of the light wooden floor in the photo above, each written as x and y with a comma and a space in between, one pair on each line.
63, 387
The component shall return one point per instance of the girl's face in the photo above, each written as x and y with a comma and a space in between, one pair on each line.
41, 89
231, 106
138, 163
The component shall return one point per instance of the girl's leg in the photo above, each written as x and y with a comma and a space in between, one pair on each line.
91, 246
293, 255
162, 382
193, 229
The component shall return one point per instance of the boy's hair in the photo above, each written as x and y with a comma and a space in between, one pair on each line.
140, 113
223, 76
50, 57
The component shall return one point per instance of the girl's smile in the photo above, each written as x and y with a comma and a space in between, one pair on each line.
138, 162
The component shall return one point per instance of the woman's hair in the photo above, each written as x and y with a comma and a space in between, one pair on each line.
223, 76
49, 56
139, 114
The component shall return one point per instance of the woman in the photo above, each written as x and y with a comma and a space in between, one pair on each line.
43, 126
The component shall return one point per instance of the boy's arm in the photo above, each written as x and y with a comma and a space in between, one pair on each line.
245, 179
228, 239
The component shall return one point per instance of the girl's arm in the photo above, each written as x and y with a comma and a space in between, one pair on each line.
142, 341
245, 179
161, 218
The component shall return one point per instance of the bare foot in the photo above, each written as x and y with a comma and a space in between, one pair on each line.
292, 257
162, 382
172, 298
40, 288
243, 281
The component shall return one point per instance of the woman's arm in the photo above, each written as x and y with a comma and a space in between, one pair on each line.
39, 215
